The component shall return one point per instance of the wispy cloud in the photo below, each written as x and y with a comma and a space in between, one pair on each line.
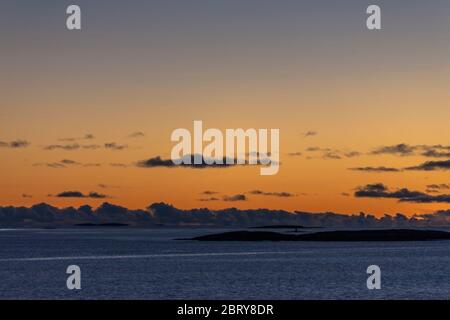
137, 134
310, 133
115, 146
273, 194
295, 154
14, 144
331, 154
375, 169
66, 163
66, 147
87, 136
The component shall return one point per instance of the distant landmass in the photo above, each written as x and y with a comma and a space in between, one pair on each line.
350, 235
280, 226
111, 224
161, 214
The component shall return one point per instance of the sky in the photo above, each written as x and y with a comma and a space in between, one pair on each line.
359, 111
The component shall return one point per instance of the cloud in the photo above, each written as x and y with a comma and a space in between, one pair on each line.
87, 136
274, 194
436, 188
66, 147
16, 144
168, 163
295, 154
439, 186
209, 192
69, 162
107, 186
398, 149
432, 153
375, 169
402, 149
236, 197
88, 165
379, 190
118, 165
71, 147
333, 154
44, 215
352, 154
54, 165
66, 163
432, 165
137, 134
209, 199
26, 195
91, 146
115, 146
78, 194
310, 134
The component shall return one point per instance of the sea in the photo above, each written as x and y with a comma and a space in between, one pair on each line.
124, 263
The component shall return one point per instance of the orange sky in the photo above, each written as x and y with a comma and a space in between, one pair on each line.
357, 89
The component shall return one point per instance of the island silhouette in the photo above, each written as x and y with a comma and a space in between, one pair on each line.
342, 235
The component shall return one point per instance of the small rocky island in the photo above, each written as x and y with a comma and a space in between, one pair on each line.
348, 235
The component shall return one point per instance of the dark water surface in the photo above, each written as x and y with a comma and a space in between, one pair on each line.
150, 264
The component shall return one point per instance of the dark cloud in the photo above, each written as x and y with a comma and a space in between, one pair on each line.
432, 153
159, 162
70, 194
401, 149
69, 162
375, 169
26, 195
115, 146
236, 197
432, 165
436, 188
137, 134
44, 215
379, 190
274, 194
14, 144
78, 194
